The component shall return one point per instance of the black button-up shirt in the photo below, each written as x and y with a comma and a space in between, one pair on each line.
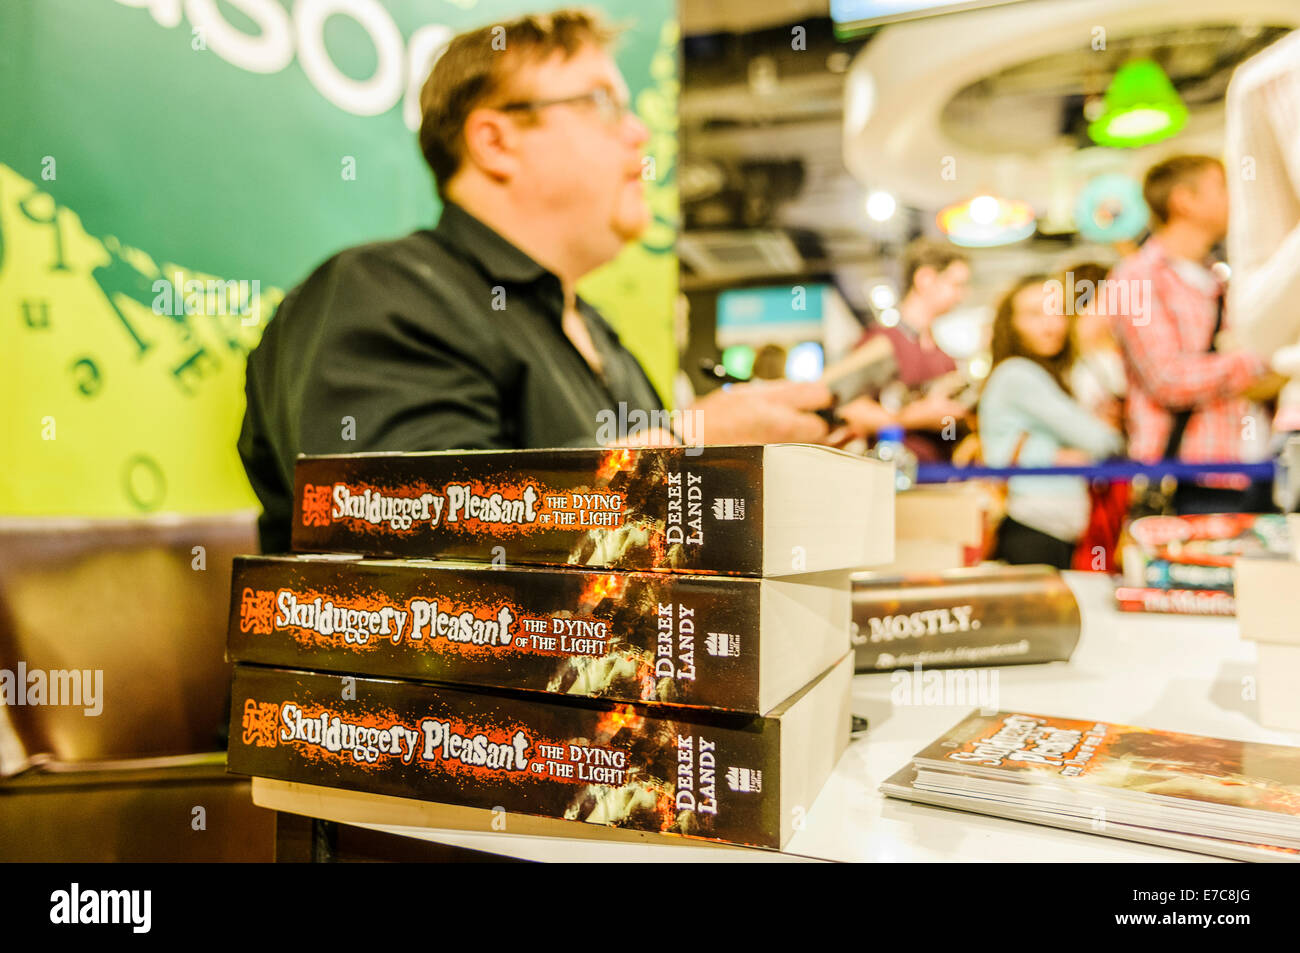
449, 338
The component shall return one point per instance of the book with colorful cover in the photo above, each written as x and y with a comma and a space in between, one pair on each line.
1215, 539
726, 777
1168, 574
1190, 784
1175, 601
998, 615
725, 642
779, 509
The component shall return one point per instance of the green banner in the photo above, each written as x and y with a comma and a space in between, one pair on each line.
169, 167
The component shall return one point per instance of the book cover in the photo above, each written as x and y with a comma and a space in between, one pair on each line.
1216, 539
1129, 771
732, 778
962, 618
1169, 574
746, 510
723, 642
1175, 601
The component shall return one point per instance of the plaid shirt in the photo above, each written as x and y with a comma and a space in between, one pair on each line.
1165, 335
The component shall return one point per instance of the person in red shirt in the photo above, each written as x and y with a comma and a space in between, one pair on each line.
935, 278
1189, 399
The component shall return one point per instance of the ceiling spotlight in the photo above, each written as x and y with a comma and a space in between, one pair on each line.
984, 210
882, 297
890, 317
881, 206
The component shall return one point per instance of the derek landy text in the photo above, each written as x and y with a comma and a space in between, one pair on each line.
82, 688
675, 643
697, 767
685, 510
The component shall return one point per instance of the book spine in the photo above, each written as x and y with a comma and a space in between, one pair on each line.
620, 766
683, 509
1172, 574
653, 637
978, 621
1175, 601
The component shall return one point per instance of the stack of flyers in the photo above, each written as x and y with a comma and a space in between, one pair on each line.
1230, 798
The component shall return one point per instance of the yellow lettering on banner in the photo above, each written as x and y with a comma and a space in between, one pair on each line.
157, 429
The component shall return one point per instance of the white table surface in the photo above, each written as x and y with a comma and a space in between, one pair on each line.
1179, 673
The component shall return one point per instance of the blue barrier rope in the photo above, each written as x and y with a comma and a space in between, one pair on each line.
1127, 470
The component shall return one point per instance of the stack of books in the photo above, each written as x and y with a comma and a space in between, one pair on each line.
1228, 798
1184, 564
651, 639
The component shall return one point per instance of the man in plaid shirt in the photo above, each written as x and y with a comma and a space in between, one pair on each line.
1168, 335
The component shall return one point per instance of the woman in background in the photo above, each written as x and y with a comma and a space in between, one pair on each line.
1028, 417
1097, 379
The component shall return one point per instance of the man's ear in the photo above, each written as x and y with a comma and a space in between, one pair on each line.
491, 143
1180, 196
923, 278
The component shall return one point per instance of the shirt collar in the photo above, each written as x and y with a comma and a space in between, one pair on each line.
493, 252
1195, 274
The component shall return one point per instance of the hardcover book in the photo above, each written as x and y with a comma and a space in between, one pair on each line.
740, 779
722, 642
779, 509
1215, 539
964, 617
1175, 601
1168, 781
1167, 574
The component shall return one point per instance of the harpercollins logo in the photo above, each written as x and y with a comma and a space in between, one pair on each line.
728, 508
745, 780
722, 644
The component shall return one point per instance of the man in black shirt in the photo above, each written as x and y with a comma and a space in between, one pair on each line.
470, 335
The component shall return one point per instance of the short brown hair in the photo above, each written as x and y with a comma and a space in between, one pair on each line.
476, 66
1006, 340
926, 253
1163, 177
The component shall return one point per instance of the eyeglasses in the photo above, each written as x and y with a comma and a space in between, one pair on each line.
608, 108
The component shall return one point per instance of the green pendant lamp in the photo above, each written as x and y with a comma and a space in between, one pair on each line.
1141, 107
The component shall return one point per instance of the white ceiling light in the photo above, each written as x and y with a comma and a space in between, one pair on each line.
882, 297
881, 206
984, 210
